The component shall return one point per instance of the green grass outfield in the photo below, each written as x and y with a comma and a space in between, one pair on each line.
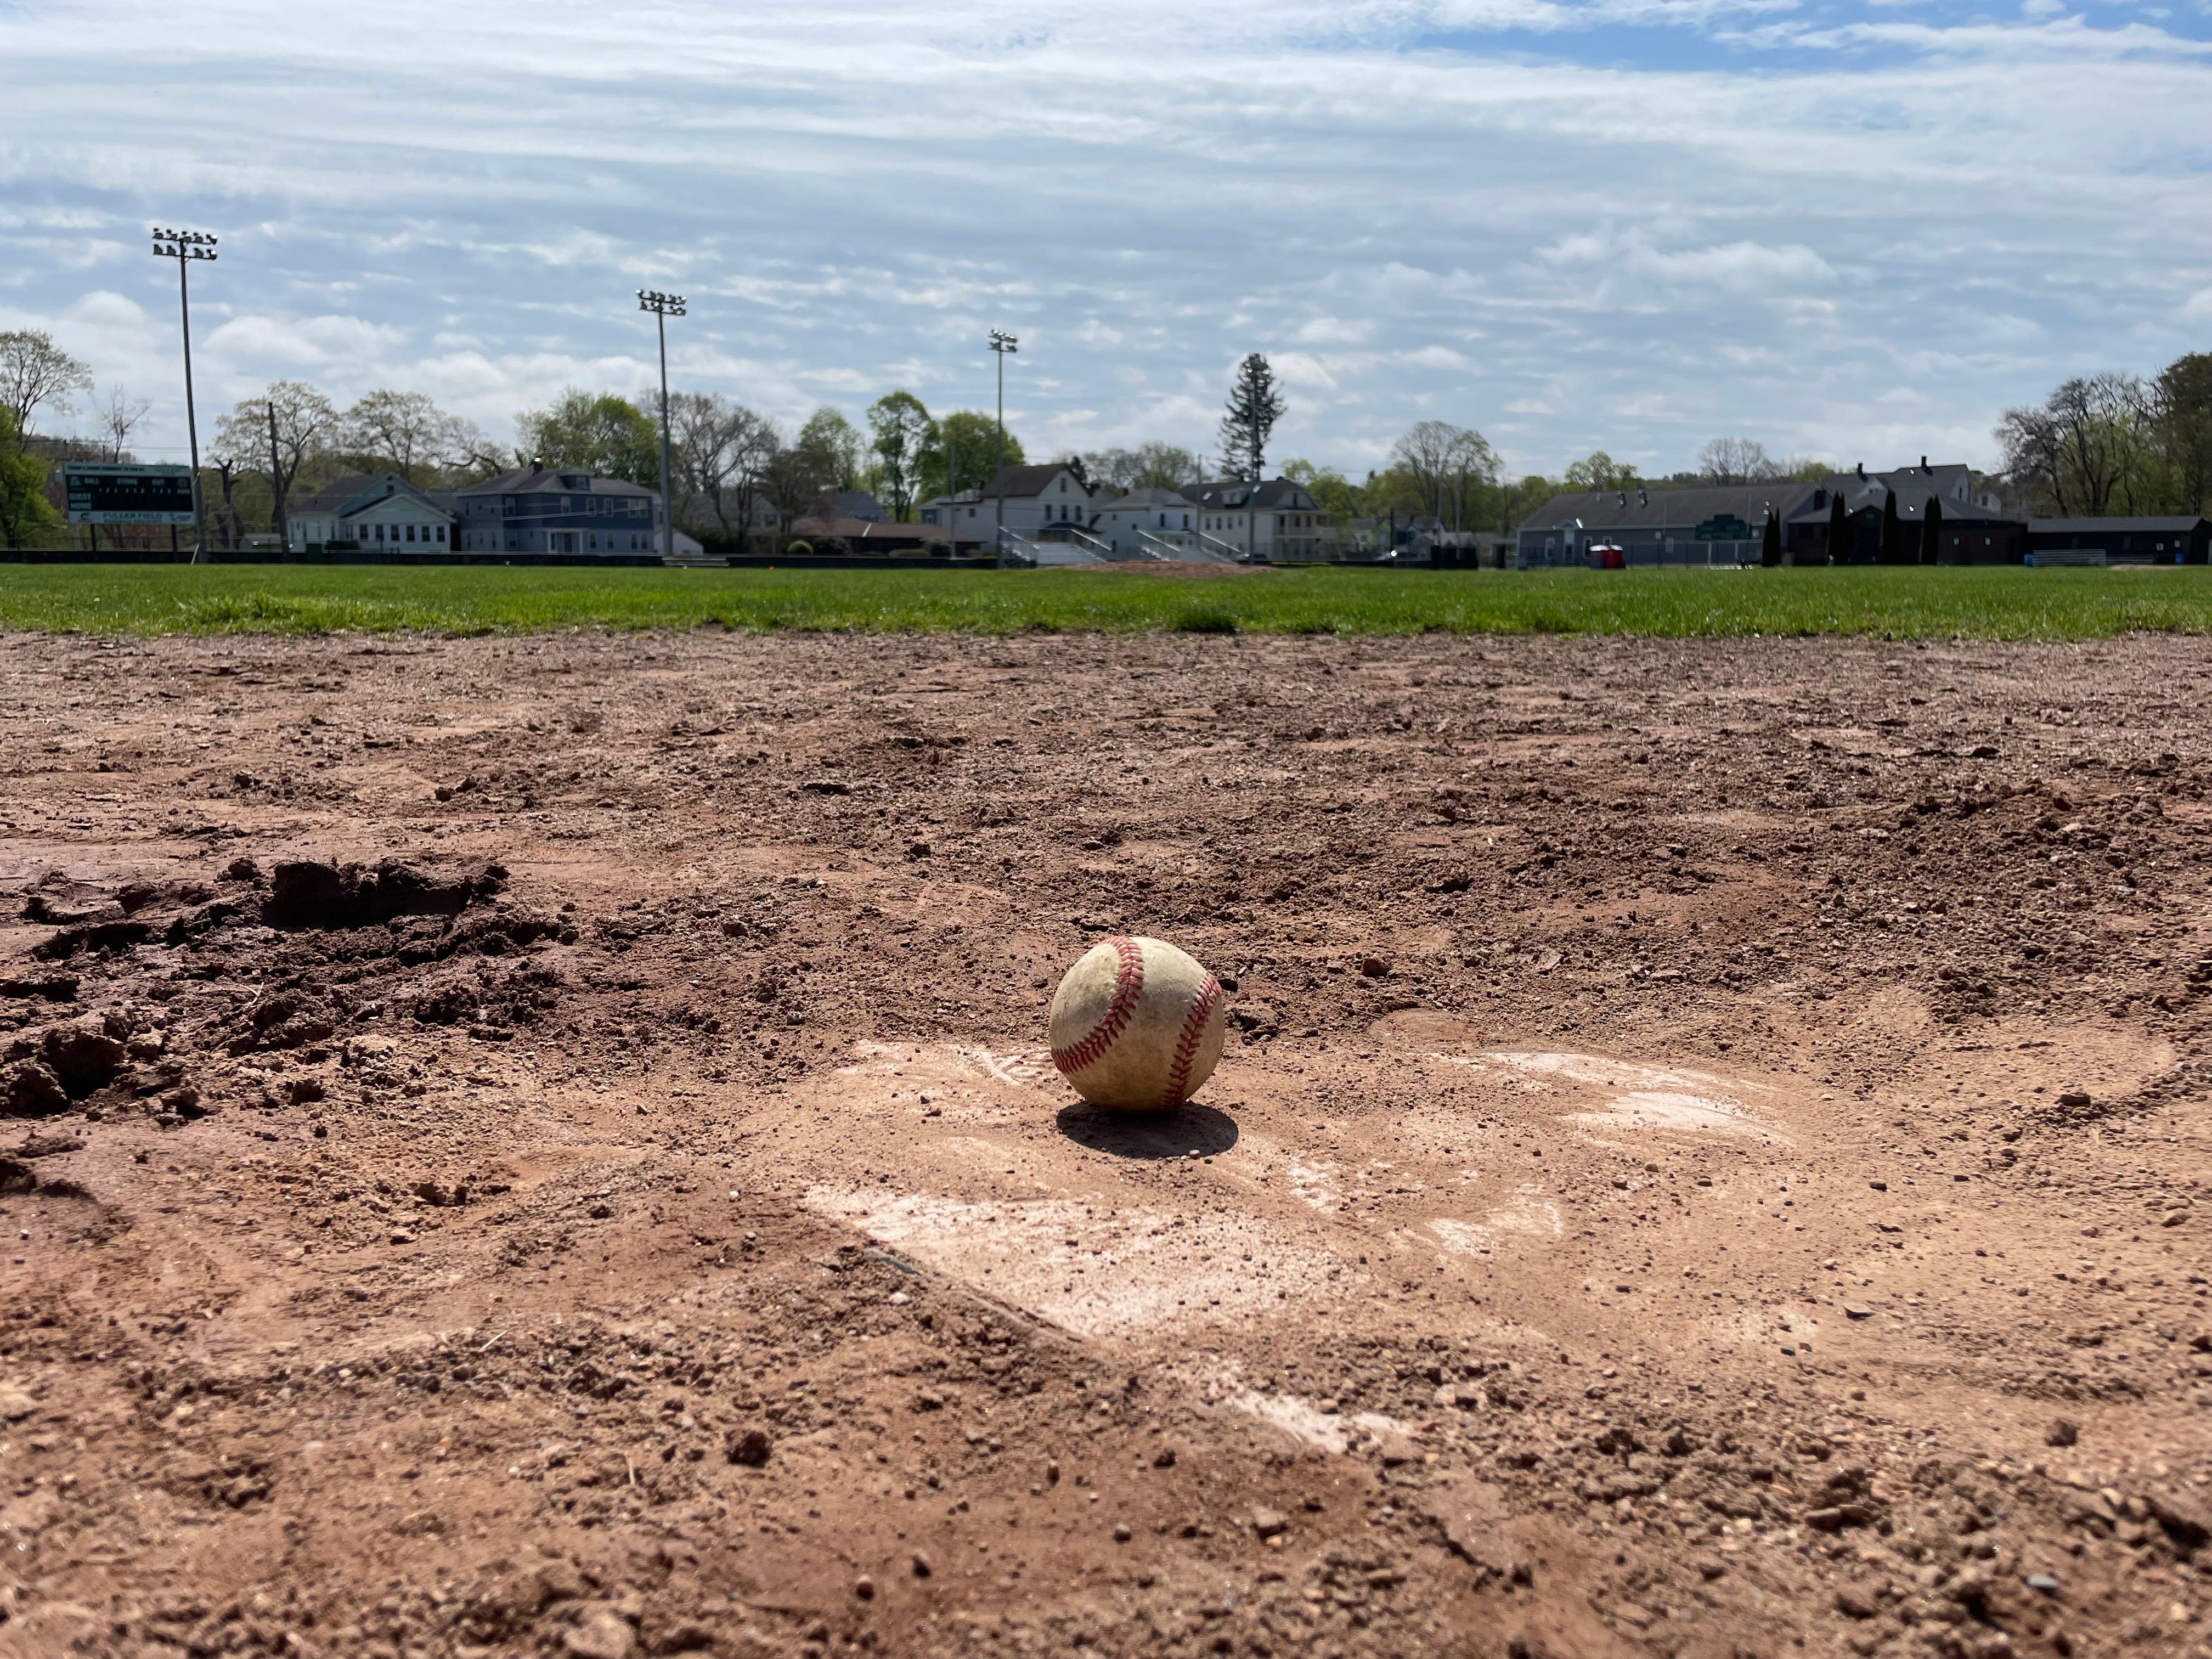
1990, 603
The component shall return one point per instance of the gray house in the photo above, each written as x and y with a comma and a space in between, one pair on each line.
552, 514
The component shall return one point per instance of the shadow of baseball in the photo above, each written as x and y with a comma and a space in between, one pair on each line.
1188, 1129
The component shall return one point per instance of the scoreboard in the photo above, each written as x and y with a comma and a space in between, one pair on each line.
101, 492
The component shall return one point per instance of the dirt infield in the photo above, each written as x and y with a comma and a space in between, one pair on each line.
546, 1146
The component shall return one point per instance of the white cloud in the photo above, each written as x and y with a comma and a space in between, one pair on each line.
1494, 210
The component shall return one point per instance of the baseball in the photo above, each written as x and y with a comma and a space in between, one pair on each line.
1137, 1025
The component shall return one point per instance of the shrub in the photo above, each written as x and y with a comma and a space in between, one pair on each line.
834, 545
799, 549
938, 550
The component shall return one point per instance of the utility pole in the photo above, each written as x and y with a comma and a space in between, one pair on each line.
277, 482
1005, 345
663, 307
1252, 501
184, 246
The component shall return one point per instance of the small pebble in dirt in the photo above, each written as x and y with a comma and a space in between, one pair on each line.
749, 1447
1165, 1459
1122, 1534
922, 1568
1268, 1522
2063, 1432
865, 1587
2042, 1581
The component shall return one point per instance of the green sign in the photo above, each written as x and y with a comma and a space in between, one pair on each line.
1723, 528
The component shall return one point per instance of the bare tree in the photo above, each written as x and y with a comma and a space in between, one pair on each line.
34, 370
1149, 466
2083, 444
284, 429
406, 433
1736, 461
119, 418
719, 453
1440, 461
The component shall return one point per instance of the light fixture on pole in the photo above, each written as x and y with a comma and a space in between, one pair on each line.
663, 307
184, 246
1004, 345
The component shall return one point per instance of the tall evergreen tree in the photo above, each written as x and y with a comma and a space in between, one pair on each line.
1893, 534
1770, 543
1839, 529
1254, 406
1931, 532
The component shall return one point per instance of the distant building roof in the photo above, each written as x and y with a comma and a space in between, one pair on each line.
1234, 495
2180, 526
852, 504
342, 497
1013, 480
1150, 497
1913, 486
1659, 509
524, 478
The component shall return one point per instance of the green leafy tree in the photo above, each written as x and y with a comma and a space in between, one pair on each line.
24, 509
1599, 470
1332, 493
1518, 500
1892, 550
598, 433
900, 432
1254, 406
34, 370
2182, 418
962, 453
832, 446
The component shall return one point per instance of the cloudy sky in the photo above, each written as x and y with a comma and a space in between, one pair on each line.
1856, 230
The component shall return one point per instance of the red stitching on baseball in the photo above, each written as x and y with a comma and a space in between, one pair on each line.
1194, 1033
1127, 984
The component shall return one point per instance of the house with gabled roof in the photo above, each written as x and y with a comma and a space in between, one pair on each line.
380, 511
1033, 500
1273, 520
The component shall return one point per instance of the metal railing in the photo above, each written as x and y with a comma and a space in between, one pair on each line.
1212, 547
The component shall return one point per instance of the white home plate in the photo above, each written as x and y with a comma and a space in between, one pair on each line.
1090, 1268
1648, 1097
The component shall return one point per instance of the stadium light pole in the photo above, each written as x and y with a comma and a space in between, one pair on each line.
1005, 345
663, 307
184, 246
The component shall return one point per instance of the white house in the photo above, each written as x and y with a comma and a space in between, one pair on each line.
1036, 499
375, 512
1273, 520
1150, 515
